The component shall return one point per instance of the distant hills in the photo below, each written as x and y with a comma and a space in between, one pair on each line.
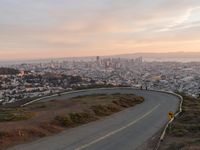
162, 55
171, 56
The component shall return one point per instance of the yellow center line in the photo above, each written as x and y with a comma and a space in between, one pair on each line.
118, 130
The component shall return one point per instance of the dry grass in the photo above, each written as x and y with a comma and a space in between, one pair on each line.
46, 118
14, 115
184, 133
99, 110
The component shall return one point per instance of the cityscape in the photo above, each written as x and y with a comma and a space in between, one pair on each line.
100, 75
53, 77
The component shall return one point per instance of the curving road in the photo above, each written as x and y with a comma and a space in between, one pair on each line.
125, 130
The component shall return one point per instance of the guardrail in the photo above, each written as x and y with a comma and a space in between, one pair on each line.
60, 94
85, 90
38, 99
71, 92
168, 124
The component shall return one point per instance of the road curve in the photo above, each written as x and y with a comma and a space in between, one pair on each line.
125, 130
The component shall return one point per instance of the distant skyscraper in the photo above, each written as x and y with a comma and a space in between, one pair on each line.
98, 58
138, 60
98, 61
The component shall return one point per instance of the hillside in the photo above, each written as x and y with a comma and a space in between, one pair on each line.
40, 119
184, 132
8, 71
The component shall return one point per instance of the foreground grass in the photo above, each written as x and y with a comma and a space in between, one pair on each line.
14, 115
46, 118
94, 112
184, 133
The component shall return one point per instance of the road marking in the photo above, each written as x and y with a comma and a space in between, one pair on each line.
118, 130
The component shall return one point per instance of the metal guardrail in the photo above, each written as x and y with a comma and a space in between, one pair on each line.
38, 99
168, 124
76, 91
85, 90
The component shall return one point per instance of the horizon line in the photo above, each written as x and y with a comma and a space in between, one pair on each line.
76, 57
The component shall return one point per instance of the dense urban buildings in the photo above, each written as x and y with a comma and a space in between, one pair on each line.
33, 80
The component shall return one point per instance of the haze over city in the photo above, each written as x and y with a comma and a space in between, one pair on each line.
99, 74
32, 29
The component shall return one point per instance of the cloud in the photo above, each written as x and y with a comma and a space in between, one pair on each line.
107, 26
182, 21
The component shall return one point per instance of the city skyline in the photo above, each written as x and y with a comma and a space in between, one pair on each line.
99, 74
46, 29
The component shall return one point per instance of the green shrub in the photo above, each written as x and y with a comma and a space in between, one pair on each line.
63, 121
113, 108
3, 134
14, 115
101, 110
81, 117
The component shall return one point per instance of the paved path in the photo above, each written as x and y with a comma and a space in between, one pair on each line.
125, 130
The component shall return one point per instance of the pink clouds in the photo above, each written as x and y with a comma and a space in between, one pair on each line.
90, 28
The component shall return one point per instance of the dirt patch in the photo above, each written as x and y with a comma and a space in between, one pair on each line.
47, 118
184, 133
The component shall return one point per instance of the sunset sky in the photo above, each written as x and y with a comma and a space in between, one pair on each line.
32, 29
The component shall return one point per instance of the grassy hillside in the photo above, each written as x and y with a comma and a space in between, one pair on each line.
46, 118
184, 133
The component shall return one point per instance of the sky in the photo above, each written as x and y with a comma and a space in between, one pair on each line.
32, 29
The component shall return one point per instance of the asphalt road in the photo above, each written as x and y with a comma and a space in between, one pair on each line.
125, 130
